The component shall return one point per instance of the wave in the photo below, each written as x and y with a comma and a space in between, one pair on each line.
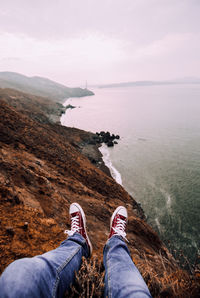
106, 159
158, 224
167, 197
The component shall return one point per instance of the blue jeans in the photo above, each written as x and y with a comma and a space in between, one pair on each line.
50, 274
122, 278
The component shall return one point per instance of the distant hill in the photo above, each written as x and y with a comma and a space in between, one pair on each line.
189, 80
40, 86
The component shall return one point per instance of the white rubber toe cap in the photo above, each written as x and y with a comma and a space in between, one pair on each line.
122, 211
74, 208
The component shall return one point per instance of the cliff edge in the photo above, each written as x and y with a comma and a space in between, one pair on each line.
43, 171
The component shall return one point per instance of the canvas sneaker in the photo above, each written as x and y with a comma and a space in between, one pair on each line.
118, 222
78, 223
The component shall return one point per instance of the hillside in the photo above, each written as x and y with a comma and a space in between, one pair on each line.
40, 86
42, 171
39, 108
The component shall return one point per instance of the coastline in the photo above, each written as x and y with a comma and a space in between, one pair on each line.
108, 163
98, 154
93, 153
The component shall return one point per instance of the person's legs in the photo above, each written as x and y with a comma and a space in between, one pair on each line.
47, 275
50, 274
122, 278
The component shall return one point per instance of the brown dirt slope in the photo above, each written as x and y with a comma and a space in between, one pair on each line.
41, 109
42, 171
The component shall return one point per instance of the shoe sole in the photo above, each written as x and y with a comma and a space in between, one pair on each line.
114, 213
84, 224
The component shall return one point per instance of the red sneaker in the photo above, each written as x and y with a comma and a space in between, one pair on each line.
78, 223
118, 222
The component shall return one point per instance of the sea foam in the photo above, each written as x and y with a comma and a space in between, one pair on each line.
106, 159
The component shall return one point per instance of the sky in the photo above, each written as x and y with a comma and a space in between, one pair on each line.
101, 41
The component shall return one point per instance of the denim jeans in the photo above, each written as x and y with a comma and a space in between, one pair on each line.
122, 278
50, 274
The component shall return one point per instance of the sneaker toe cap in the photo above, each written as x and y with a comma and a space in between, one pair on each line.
74, 208
123, 211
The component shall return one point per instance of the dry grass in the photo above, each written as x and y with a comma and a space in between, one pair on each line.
89, 281
166, 282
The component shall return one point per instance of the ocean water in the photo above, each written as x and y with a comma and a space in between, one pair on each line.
157, 159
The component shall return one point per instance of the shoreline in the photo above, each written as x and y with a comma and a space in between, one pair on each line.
108, 162
86, 147
95, 156
98, 154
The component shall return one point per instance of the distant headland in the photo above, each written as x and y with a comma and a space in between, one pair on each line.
187, 80
40, 86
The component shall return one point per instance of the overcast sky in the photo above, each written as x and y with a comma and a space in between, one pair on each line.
101, 41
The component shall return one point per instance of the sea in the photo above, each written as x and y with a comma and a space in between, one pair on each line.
157, 159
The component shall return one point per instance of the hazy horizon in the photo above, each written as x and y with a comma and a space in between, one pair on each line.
103, 42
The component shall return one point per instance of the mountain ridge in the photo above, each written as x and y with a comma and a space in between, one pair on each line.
187, 80
40, 86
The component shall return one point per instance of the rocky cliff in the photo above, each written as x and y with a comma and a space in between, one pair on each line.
42, 171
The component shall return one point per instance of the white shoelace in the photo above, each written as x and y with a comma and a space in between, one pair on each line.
74, 226
120, 227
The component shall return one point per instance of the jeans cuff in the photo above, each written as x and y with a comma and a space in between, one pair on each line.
78, 238
113, 238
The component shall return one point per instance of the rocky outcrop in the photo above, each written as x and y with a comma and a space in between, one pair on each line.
105, 137
70, 107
